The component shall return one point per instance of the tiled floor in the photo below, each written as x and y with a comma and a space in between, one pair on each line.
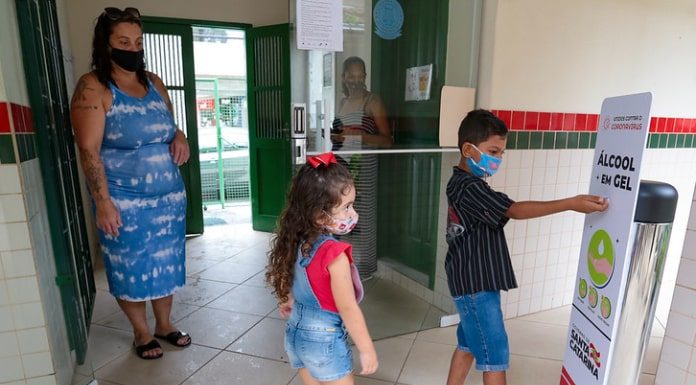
238, 337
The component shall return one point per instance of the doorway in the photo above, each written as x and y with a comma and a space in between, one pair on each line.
223, 124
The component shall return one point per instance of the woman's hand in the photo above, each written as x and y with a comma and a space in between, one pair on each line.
179, 148
353, 131
108, 218
340, 136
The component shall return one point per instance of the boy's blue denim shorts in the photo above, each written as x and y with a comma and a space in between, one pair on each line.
481, 330
322, 349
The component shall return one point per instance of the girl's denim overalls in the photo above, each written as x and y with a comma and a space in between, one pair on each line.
316, 339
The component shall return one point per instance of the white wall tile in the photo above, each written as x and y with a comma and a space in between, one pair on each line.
539, 158
510, 310
18, 263
11, 369
33, 340
525, 293
4, 237
689, 250
512, 179
547, 301
555, 240
524, 306
12, 208
687, 273
14, 236
23, 290
28, 315
535, 305
692, 219
4, 296
563, 175
517, 246
513, 296
531, 244
8, 344
676, 353
684, 301
6, 323
528, 262
564, 158
550, 175
669, 375
37, 364
9, 175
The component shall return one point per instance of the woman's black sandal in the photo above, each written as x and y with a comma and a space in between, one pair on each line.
174, 337
152, 345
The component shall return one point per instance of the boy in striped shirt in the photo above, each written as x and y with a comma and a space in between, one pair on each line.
478, 262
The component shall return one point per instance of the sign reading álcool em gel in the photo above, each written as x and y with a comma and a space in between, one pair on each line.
602, 270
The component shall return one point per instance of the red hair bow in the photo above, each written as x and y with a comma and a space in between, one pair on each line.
322, 159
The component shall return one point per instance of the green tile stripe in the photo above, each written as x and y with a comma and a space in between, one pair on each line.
7, 154
561, 140
26, 144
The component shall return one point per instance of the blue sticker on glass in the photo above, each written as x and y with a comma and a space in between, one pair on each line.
389, 18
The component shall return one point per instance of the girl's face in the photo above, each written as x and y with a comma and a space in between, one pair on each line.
127, 36
342, 218
345, 208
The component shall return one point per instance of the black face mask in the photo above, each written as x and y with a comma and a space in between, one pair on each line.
128, 60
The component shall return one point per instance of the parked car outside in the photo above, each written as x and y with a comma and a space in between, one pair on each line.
235, 163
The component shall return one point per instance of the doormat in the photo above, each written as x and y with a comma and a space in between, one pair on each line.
212, 221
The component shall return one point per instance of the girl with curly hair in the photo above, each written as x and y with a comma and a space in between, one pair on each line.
314, 277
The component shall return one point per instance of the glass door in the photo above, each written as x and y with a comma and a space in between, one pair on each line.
375, 104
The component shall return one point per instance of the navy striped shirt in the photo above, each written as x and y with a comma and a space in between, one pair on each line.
477, 257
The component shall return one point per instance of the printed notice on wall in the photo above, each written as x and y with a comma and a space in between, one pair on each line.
604, 252
320, 25
418, 81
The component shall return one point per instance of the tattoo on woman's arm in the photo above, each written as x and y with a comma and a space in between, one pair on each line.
79, 100
94, 173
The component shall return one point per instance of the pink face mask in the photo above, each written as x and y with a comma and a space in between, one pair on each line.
342, 226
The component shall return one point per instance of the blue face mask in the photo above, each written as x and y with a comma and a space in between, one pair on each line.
487, 166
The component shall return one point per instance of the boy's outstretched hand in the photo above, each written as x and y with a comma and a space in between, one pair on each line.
589, 203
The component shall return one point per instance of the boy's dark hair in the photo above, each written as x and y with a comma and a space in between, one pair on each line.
478, 126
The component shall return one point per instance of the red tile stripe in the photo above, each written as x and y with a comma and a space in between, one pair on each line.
22, 119
568, 121
4, 119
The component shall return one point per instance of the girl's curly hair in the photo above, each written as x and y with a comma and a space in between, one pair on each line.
314, 192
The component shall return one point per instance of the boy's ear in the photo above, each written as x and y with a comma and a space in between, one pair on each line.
465, 150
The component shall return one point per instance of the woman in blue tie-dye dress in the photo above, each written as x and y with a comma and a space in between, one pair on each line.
130, 151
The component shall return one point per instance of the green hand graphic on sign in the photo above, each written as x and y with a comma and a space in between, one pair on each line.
594, 297
583, 288
600, 258
605, 307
